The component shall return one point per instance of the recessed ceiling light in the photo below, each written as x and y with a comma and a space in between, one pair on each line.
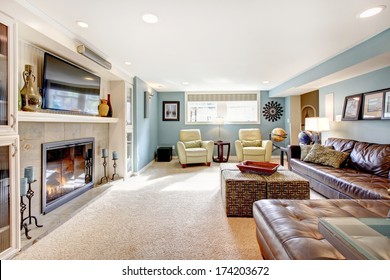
372, 12
185, 83
127, 62
265, 82
82, 24
150, 18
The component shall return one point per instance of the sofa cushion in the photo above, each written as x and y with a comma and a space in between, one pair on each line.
371, 158
339, 144
325, 156
251, 143
350, 182
193, 144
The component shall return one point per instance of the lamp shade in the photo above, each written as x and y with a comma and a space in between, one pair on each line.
317, 124
219, 120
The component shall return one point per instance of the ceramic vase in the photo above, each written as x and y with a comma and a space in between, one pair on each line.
109, 114
103, 108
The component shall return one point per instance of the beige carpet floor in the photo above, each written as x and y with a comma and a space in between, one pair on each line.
165, 213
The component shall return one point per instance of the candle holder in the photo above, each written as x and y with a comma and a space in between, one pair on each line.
115, 174
23, 224
105, 177
23, 207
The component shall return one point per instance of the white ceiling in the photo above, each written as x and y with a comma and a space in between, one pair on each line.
216, 44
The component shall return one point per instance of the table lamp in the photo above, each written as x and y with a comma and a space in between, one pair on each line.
219, 121
317, 125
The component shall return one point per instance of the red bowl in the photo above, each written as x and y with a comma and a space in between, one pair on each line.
256, 167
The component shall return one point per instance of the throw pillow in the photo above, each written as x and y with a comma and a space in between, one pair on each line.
325, 156
193, 144
305, 149
251, 143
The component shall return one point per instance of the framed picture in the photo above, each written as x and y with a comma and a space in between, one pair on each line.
171, 111
386, 105
372, 105
351, 109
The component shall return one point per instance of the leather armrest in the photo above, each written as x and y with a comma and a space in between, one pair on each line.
294, 151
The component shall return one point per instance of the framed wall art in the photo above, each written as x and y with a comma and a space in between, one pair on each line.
372, 105
351, 109
386, 105
171, 111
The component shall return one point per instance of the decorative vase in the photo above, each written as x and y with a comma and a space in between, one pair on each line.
31, 99
109, 114
103, 108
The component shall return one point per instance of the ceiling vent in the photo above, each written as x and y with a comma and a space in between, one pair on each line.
93, 56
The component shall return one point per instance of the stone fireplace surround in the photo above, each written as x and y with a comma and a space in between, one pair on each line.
32, 135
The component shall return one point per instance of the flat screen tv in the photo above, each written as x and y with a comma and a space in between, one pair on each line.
67, 87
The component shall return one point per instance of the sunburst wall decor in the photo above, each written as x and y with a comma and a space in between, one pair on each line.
272, 111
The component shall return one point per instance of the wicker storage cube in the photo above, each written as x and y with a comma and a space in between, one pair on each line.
240, 191
287, 185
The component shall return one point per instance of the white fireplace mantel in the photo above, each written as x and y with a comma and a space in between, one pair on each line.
49, 117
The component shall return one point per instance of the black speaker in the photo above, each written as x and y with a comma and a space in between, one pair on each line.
164, 154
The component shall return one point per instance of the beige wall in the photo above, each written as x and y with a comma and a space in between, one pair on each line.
309, 106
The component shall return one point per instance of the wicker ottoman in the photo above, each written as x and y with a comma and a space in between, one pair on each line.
287, 185
240, 191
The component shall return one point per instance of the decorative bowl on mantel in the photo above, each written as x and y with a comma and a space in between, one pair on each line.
256, 167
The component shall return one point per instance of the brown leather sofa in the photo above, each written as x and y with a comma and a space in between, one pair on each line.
365, 175
288, 229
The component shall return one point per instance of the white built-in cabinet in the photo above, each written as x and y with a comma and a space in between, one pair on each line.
121, 132
9, 141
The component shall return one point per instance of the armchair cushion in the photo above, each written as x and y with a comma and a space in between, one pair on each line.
193, 144
251, 143
254, 151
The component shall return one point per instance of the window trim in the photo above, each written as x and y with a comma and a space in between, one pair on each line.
222, 92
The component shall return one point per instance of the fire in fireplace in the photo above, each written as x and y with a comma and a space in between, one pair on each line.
67, 171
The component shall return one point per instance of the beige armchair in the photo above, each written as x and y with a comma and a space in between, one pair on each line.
250, 146
191, 148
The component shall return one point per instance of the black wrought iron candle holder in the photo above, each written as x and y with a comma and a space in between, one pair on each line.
115, 174
27, 220
105, 177
23, 207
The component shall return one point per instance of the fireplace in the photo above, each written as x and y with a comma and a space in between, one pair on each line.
67, 171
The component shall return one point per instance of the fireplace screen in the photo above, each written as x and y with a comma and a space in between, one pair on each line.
66, 171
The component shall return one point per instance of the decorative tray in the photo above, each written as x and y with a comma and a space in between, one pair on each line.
256, 167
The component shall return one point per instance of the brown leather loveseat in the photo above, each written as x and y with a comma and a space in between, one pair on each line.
365, 174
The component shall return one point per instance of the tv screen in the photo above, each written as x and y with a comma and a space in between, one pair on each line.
67, 87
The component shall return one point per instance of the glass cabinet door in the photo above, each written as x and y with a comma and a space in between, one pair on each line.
129, 158
129, 108
8, 96
9, 229
129, 130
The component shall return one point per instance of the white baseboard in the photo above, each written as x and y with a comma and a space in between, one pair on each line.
139, 172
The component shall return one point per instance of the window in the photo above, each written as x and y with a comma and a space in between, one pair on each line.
233, 107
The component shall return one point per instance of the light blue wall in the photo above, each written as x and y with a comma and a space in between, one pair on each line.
145, 129
376, 131
168, 131
377, 45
